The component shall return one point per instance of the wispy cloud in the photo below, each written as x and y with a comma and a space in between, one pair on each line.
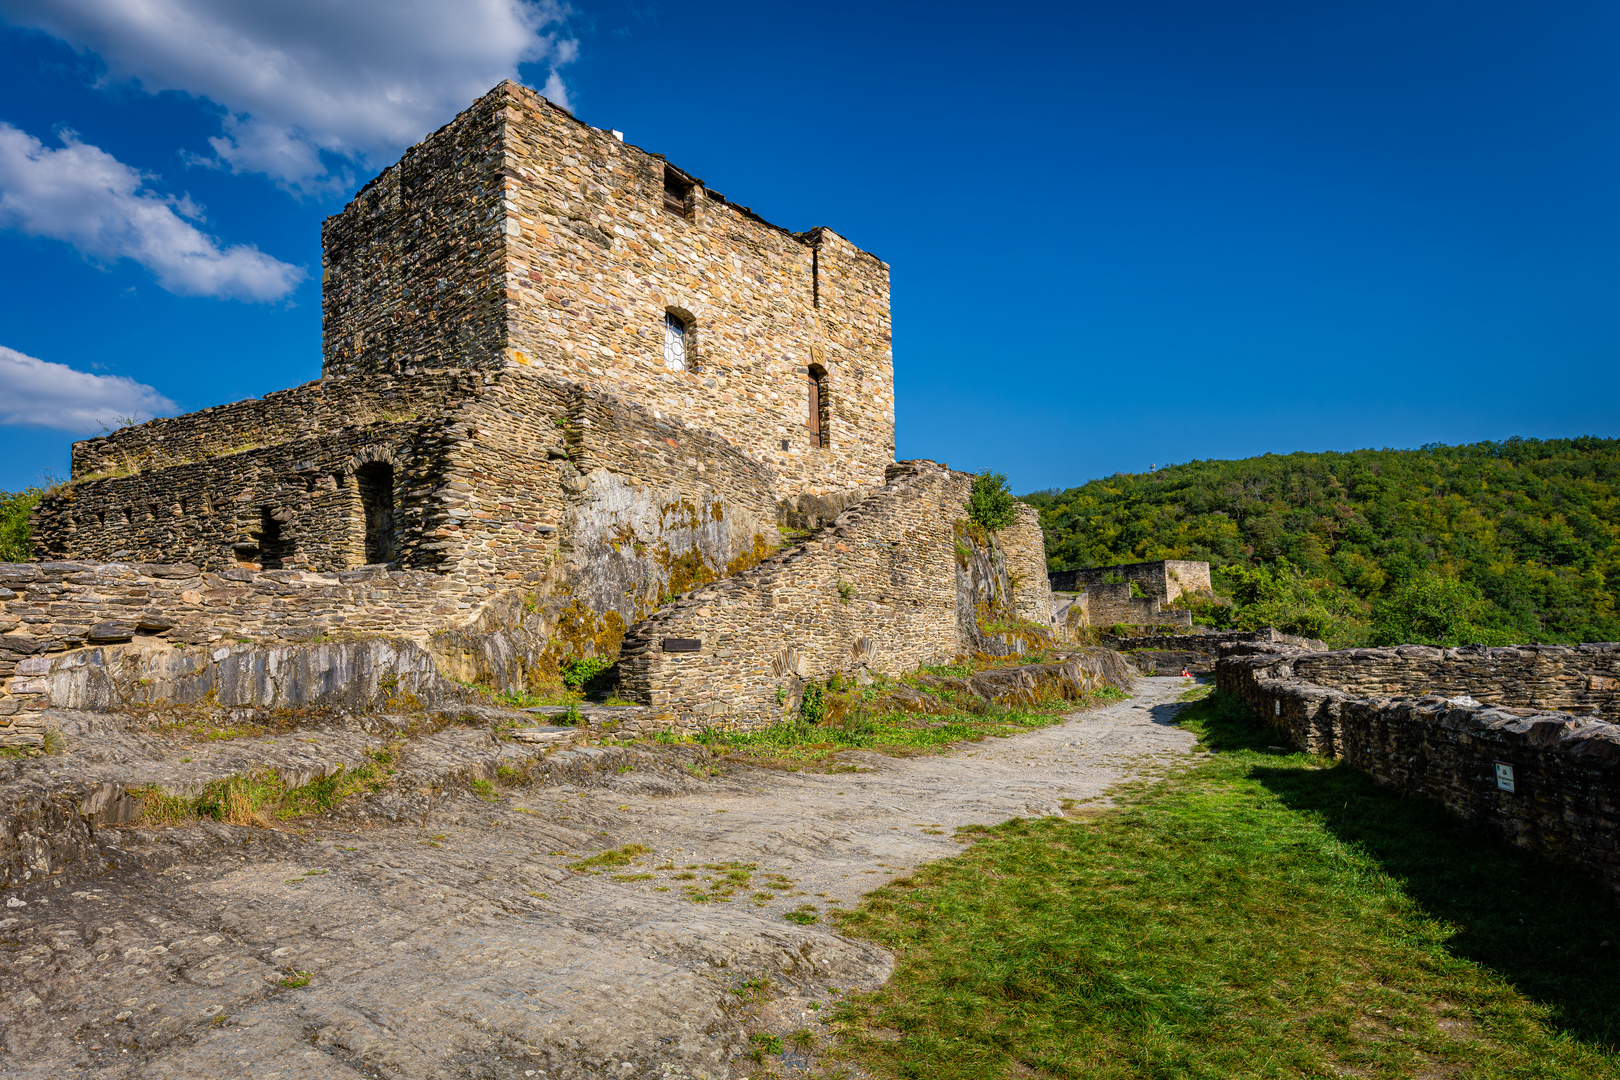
311, 88
39, 393
83, 195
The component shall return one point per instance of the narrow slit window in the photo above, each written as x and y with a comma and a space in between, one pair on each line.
676, 190
816, 412
675, 341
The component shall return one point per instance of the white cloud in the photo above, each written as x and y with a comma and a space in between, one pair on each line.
310, 87
87, 197
42, 394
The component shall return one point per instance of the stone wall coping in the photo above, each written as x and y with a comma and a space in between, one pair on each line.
1548, 730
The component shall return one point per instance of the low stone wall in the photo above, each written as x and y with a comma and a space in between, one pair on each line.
1545, 780
1576, 678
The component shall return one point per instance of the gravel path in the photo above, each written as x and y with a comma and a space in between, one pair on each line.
463, 946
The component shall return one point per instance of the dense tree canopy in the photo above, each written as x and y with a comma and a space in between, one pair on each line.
1498, 541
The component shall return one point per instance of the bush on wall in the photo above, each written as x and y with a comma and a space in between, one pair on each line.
990, 505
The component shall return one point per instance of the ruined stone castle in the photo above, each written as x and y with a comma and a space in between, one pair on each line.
573, 401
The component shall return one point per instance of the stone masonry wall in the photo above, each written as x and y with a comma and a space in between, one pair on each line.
595, 262
877, 590
588, 262
52, 611
1544, 780
413, 268
1023, 547
597, 503
214, 512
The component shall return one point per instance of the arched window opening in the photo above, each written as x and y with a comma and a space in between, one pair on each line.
677, 336
817, 414
375, 479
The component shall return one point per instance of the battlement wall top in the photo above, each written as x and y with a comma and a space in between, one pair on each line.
301, 412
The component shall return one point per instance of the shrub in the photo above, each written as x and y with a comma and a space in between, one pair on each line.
16, 532
579, 670
990, 505
813, 706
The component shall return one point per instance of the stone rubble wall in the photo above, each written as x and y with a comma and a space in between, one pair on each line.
1162, 578
52, 615
1111, 604
1023, 546
595, 261
1566, 768
876, 590
212, 513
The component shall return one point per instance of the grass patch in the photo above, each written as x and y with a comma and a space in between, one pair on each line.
1259, 914
258, 798
612, 857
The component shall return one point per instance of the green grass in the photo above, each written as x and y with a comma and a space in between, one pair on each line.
612, 857
797, 743
1261, 914
258, 797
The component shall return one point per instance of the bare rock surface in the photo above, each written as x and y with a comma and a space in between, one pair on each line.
454, 937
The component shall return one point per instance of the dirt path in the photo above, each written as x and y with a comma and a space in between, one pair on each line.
462, 946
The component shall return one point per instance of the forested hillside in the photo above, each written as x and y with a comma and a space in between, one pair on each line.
1494, 542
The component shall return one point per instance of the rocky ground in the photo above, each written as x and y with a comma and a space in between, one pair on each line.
470, 938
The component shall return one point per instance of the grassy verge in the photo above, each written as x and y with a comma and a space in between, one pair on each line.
855, 718
1262, 914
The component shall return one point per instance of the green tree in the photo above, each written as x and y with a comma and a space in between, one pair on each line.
1431, 608
16, 532
990, 504
1283, 596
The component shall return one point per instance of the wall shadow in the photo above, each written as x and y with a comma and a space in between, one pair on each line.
1552, 933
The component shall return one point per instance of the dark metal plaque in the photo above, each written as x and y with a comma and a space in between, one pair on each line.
682, 644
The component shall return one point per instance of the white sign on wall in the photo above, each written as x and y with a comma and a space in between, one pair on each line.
1504, 776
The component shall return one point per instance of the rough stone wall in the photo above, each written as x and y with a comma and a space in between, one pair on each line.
1112, 603
214, 512
878, 589
1024, 548
197, 488
589, 262
598, 504
1564, 769
413, 268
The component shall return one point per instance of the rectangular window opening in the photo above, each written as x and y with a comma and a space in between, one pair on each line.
676, 190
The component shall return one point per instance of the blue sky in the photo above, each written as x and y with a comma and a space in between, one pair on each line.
1121, 234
